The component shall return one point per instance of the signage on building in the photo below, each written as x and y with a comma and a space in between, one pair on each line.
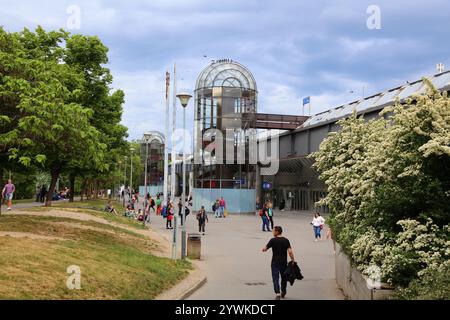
267, 186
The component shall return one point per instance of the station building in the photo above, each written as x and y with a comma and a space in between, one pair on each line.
226, 99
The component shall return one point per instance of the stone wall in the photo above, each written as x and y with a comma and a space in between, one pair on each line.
353, 283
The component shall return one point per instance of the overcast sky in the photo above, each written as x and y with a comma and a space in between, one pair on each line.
294, 49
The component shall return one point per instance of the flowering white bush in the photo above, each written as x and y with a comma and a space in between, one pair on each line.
389, 189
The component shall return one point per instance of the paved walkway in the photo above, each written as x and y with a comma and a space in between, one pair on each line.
237, 268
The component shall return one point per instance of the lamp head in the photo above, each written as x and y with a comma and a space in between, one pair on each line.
184, 98
147, 136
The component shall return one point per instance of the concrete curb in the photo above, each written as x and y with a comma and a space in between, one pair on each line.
182, 290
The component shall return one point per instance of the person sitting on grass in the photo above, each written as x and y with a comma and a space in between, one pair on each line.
129, 213
110, 208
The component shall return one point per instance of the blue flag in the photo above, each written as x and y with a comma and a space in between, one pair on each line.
306, 100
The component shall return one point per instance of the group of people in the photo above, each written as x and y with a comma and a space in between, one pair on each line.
219, 208
266, 214
281, 249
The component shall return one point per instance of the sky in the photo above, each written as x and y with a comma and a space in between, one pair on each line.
322, 48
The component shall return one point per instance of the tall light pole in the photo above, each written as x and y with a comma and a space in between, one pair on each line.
166, 141
125, 181
147, 137
184, 100
131, 168
173, 156
120, 180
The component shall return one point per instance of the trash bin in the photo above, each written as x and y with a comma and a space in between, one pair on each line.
194, 245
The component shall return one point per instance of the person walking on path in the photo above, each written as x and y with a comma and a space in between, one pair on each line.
8, 192
151, 203
270, 214
222, 206
202, 218
180, 210
169, 217
158, 205
215, 208
317, 223
43, 193
265, 217
281, 247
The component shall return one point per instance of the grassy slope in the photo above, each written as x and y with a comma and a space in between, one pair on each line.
93, 207
115, 264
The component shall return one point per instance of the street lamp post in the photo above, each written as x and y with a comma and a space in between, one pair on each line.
146, 139
184, 100
120, 180
173, 156
125, 181
131, 169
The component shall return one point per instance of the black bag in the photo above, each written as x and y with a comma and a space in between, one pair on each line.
187, 211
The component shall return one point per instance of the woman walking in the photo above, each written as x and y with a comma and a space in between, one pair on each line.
317, 223
169, 216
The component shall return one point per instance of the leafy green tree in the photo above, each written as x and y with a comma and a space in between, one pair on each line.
88, 55
51, 104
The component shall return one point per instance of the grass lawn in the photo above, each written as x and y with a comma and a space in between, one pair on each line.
114, 263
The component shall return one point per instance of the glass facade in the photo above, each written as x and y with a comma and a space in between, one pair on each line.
225, 105
155, 159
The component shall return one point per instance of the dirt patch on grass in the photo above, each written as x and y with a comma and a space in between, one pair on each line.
27, 235
81, 226
161, 246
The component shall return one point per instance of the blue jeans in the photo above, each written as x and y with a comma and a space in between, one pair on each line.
221, 210
277, 271
317, 232
265, 224
216, 213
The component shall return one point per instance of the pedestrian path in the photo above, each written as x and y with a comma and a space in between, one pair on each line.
237, 268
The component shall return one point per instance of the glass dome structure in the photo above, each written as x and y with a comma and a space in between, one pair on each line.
225, 101
226, 73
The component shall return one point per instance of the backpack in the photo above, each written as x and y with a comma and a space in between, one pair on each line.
260, 212
164, 211
213, 207
152, 203
187, 211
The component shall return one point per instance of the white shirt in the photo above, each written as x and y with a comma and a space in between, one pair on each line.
317, 222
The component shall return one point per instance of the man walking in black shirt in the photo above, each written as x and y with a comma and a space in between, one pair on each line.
281, 247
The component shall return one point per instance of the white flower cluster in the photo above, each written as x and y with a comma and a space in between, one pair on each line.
389, 187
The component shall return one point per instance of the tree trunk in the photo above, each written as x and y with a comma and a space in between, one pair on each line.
88, 189
55, 174
96, 189
83, 188
72, 187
